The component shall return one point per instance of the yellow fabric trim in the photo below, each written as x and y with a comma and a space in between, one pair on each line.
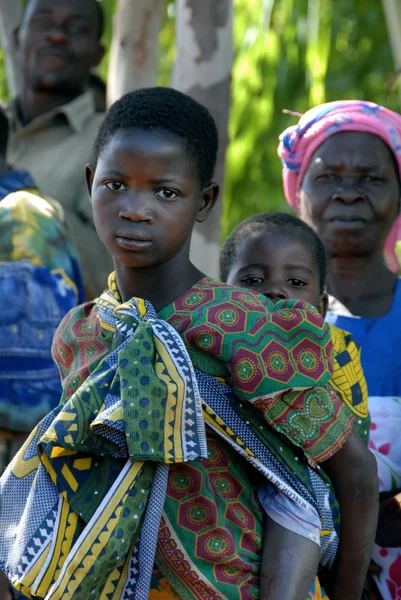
69, 477
58, 451
95, 540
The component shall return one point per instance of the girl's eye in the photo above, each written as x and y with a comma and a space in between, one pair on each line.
252, 281
115, 186
297, 282
166, 194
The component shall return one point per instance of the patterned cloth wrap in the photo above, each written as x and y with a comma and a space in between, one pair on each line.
105, 477
161, 589
40, 277
299, 142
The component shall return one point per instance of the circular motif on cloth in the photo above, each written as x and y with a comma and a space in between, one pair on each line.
308, 360
205, 340
86, 327
213, 454
65, 352
241, 516
90, 351
245, 369
194, 298
181, 482
253, 591
249, 299
285, 314
228, 316
223, 485
198, 513
75, 382
256, 541
216, 544
231, 571
278, 362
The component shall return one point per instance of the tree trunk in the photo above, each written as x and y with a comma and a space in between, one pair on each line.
10, 18
134, 53
203, 70
392, 13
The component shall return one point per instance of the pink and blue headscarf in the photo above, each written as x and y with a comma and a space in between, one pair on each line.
299, 142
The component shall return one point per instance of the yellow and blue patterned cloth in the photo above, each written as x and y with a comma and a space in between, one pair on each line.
40, 282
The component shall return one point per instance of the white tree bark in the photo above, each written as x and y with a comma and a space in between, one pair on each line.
134, 53
10, 18
203, 70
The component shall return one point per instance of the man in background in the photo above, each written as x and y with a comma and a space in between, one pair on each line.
54, 120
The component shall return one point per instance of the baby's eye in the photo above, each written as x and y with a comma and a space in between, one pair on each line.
115, 186
252, 280
297, 282
166, 194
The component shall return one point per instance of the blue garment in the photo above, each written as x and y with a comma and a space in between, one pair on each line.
40, 281
14, 181
35, 301
380, 340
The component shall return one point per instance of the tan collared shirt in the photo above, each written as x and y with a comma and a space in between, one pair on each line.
55, 148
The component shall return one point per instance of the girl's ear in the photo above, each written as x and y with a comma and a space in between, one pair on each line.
89, 175
209, 198
323, 304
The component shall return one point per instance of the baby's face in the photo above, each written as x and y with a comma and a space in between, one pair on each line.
279, 267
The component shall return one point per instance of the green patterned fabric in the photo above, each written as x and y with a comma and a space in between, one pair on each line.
131, 401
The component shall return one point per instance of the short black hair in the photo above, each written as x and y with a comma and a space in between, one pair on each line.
4, 131
274, 221
168, 111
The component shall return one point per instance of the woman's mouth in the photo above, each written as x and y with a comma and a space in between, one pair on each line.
348, 222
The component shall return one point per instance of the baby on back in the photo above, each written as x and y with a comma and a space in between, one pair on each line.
279, 256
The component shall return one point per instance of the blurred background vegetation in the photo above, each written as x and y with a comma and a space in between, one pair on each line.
288, 54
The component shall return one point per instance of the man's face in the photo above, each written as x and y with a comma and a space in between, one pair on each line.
58, 44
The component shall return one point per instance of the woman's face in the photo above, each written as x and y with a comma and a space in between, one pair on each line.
350, 193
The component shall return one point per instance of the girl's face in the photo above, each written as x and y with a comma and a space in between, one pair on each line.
279, 267
350, 194
146, 197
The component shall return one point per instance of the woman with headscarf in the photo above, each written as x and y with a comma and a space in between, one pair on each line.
341, 173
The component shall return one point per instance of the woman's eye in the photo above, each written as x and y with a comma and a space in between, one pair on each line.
326, 177
252, 281
115, 186
297, 282
166, 194
371, 178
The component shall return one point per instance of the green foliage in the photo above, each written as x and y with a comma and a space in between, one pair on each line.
167, 45
314, 51
108, 7
4, 93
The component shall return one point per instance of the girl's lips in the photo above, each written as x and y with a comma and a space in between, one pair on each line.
134, 245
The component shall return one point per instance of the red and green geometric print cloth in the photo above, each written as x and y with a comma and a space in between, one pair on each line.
278, 357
